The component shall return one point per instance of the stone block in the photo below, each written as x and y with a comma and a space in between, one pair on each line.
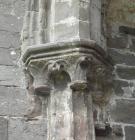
67, 11
84, 10
6, 6
118, 42
130, 133
84, 30
19, 7
9, 39
127, 73
11, 76
123, 111
132, 47
3, 129
19, 129
67, 30
116, 134
123, 88
120, 57
8, 57
109, 138
13, 101
127, 30
10, 23
118, 84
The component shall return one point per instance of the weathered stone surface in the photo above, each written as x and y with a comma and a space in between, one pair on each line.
20, 129
118, 42
3, 129
121, 13
8, 57
11, 76
123, 111
9, 39
132, 47
121, 57
117, 131
116, 134
126, 72
10, 23
130, 133
12, 7
109, 138
127, 30
123, 88
13, 101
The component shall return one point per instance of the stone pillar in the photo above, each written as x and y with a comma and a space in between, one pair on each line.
68, 69
82, 112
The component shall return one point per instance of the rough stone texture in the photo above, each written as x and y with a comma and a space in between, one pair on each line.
126, 72
121, 47
130, 133
13, 101
132, 46
123, 88
121, 44
20, 129
122, 57
125, 111
3, 128
118, 42
10, 76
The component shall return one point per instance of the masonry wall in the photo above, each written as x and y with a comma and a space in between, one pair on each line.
121, 47
13, 96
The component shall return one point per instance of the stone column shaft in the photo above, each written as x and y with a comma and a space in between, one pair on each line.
63, 50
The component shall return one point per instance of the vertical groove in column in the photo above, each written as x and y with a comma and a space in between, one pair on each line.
33, 21
42, 21
25, 30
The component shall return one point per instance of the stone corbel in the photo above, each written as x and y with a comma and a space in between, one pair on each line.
74, 87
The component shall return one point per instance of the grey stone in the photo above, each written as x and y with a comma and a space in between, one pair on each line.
117, 134
19, 129
11, 76
118, 42
123, 111
13, 101
118, 84
9, 23
132, 47
67, 11
65, 31
7, 57
84, 31
9, 39
19, 7
109, 138
84, 11
3, 129
127, 30
123, 88
120, 57
130, 133
126, 72
117, 130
